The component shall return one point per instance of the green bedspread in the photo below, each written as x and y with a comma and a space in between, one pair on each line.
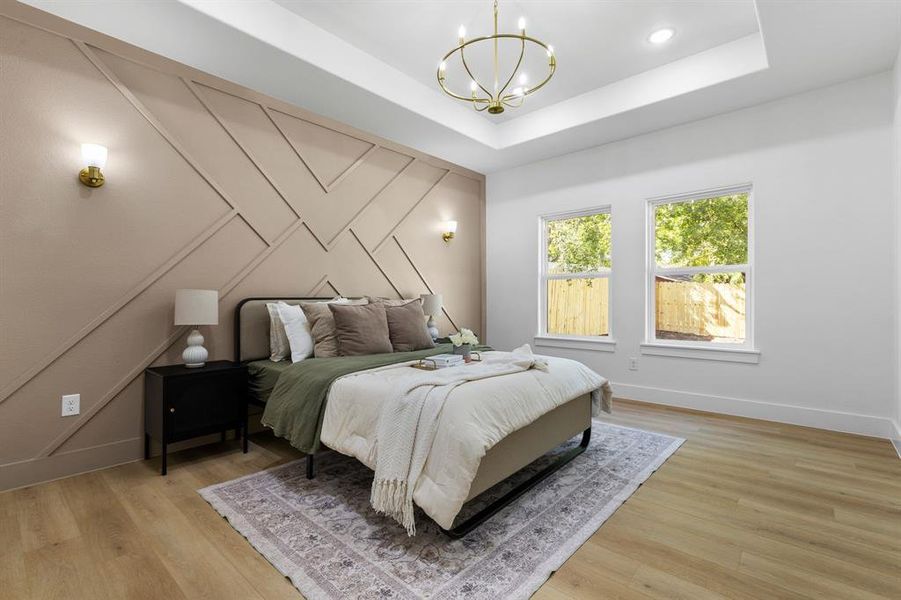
296, 406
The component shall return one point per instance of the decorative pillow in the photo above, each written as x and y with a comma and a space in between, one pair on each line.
361, 329
297, 331
392, 301
407, 328
322, 325
279, 349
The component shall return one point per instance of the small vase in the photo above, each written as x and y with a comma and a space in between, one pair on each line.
465, 350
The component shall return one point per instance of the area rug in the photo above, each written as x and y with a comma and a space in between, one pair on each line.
323, 535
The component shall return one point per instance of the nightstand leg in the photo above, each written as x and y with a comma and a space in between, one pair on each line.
146, 446
244, 439
237, 433
222, 436
163, 469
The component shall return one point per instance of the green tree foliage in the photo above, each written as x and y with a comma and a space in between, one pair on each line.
710, 231
579, 244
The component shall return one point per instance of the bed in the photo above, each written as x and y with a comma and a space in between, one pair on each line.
344, 426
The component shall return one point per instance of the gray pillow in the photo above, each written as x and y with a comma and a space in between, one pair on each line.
361, 329
407, 328
322, 325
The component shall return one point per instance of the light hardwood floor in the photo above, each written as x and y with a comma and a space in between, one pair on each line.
745, 509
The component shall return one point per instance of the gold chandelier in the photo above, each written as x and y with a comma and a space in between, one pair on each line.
494, 97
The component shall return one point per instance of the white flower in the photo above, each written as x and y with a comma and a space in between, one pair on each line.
465, 336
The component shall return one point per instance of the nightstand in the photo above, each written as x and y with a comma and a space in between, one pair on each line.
182, 403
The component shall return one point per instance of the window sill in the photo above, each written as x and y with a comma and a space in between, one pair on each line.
720, 353
600, 344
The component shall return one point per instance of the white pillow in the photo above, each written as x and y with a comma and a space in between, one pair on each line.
279, 348
297, 329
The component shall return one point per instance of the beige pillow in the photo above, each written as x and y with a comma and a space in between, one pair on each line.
407, 328
392, 301
279, 349
322, 325
361, 329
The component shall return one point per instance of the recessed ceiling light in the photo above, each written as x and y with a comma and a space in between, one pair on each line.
662, 36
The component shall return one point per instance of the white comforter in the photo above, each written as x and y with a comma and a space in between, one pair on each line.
476, 416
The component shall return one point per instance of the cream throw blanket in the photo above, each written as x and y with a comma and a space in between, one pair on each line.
408, 424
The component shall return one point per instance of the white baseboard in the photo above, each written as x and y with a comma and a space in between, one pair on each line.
896, 440
881, 427
65, 464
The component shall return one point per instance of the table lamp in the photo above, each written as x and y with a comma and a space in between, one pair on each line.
196, 307
431, 305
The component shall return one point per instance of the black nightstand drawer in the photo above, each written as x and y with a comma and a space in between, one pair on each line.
182, 403
200, 403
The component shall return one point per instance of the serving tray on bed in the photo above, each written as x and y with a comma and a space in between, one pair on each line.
427, 364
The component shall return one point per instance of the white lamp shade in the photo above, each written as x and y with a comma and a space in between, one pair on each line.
196, 307
431, 303
450, 226
93, 155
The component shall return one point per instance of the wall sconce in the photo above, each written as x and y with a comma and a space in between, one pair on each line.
94, 158
450, 228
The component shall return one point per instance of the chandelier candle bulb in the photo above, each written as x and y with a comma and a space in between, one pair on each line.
501, 95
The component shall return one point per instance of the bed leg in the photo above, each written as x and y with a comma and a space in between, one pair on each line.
311, 466
489, 511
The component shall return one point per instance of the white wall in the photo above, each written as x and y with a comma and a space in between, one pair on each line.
896, 173
821, 166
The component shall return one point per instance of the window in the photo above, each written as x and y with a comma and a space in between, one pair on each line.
575, 274
700, 274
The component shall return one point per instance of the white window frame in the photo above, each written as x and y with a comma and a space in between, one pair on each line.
587, 342
746, 352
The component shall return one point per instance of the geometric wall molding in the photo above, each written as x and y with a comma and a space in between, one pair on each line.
208, 185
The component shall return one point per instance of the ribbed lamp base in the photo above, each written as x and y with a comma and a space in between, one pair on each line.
195, 354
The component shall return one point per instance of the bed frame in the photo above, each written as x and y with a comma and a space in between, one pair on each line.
508, 456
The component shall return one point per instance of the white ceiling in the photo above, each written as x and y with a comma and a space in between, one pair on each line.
596, 43
333, 61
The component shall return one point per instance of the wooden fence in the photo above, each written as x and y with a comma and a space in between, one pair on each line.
577, 306
706, 310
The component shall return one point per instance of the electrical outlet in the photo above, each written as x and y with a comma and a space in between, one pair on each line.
633, 364
71, 405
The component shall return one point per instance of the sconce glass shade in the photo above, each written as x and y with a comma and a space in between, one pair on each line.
93, 155
450, 229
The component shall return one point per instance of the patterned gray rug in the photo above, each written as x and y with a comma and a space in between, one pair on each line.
323, 535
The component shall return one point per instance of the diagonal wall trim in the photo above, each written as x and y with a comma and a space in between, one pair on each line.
145, 112
199, 95
118, 305
296, 150
375, 262
391, 232
421, 278
353, 219
243, 273
318, 287
326, 187
352, 167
